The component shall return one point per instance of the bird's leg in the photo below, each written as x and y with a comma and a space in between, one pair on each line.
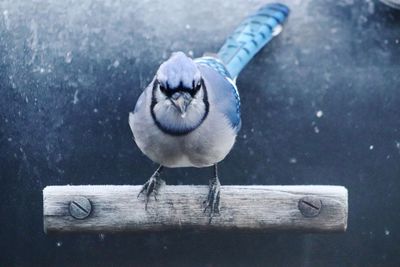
212, 201
152, 185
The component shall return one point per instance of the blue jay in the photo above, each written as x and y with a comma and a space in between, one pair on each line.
189, 115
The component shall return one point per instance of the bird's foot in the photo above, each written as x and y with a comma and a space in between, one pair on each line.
212, 201
151, 187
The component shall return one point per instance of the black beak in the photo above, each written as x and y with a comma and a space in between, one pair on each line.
181, 101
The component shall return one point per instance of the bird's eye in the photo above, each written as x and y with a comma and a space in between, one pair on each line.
197, 87
163, 89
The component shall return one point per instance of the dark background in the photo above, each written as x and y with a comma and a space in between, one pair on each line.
70, 71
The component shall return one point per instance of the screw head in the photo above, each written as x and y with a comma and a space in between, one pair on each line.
310, 206
80, 208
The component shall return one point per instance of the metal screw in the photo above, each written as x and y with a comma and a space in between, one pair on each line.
310, 206
80, 208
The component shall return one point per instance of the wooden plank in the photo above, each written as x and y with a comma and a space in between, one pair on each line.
117, 208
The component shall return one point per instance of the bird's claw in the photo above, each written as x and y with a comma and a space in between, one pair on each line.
212, 201
151, 187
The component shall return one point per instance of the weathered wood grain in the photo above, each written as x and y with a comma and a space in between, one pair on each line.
117, 208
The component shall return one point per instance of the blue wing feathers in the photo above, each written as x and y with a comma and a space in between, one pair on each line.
215, 64
213, 71
239, 48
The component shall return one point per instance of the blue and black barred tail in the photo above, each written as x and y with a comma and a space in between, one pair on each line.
252, 35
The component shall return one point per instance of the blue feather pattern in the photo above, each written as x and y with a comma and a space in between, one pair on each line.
215, 72
215, 64
252, 35
248, 38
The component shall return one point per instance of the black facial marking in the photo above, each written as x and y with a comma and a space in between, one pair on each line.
181, 132
168, 91
163, 89
197, 87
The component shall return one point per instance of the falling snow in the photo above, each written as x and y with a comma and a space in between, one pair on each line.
68, 57
102, 237
76, 99
387, 232
6, 19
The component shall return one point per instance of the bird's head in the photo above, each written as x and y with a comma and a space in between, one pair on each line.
179, 97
